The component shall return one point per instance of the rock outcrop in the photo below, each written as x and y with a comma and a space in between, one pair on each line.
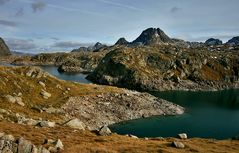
213, 42
4, 50
8, 144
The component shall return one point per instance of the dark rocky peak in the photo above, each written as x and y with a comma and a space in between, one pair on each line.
97, 46
234, 41
152, 36
4, 50
122, 41
213, 42
81, 49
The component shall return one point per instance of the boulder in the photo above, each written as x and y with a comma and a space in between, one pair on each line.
42, 84
10, 98
25, 146
8, 137
1, 134
47, 124
182, 136
59, 144
76, 124
45, 94
178, 144
104, 131
133, 136
43, 150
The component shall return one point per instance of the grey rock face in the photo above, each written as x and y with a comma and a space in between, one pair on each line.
4, 50
213, 42
76, 124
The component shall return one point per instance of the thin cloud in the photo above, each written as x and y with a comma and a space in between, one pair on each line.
175, 9
2, 2
70, 44
68, 9
121, 5
20, 12
20, 44
8, 23
55, 38
38, 6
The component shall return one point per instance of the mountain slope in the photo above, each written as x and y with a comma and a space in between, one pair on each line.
4, 50
166, 67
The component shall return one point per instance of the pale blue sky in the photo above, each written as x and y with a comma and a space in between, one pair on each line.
53, 25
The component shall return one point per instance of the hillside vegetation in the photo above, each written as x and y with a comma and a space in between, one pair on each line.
168, 67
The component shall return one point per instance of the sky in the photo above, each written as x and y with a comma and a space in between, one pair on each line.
34, 26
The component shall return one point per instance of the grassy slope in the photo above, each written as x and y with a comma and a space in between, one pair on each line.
86, 142
14, 80
148, 64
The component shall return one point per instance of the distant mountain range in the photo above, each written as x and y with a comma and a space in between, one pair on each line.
156, 36
150, 36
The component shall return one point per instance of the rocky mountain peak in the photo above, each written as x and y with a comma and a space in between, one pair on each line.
152, 36
98, 44
213, 41
122, 41
4, 50
233, 41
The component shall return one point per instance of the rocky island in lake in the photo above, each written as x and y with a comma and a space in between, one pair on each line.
69, 81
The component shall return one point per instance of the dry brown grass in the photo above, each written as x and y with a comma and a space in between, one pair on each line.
85, 141
12, 81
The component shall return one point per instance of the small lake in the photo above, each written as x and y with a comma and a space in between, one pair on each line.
76, 77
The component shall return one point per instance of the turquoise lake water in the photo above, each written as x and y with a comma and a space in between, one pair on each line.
208, 115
